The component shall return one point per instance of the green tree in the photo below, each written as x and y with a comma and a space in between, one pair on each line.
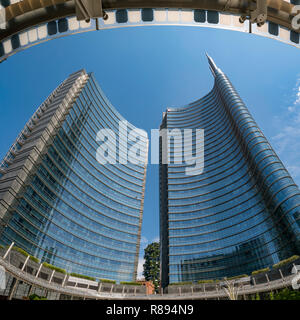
36, 297
287, 294
152, 264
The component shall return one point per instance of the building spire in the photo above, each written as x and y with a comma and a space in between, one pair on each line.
213, 67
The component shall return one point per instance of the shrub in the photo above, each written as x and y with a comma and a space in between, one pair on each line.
50, 266
260, 271
238, 277
206, 281
287, 294
77, 275
107, 281
285, 261
131, 283
180, 283
26, 254
32, 258
23, 252
36, 297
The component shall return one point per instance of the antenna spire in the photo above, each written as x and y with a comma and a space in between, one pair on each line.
213, 67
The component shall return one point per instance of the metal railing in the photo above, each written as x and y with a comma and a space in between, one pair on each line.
219, 292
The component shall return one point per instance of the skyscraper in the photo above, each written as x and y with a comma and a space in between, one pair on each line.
58, 202
242, 213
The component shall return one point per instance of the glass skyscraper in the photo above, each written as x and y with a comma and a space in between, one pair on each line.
243, 212
58, 202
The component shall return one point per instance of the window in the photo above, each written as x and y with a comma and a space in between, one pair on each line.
294, 37
121, 16
1, 50
63, 25
199, 15
213, 17
52, 28
147, 14
15, 41
273, 29
297, 218
43, 275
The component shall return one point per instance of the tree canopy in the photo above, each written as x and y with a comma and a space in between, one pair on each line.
152, 264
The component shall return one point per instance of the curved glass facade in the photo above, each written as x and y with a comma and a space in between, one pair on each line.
243, 212
70, 210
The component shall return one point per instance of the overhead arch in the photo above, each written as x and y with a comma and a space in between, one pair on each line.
30, 22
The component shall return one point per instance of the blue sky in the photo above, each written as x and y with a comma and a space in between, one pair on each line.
144, 70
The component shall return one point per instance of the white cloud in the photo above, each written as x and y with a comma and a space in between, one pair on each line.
297, 101
287, 141
144, 241
155, 239
294, 170
140, 268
